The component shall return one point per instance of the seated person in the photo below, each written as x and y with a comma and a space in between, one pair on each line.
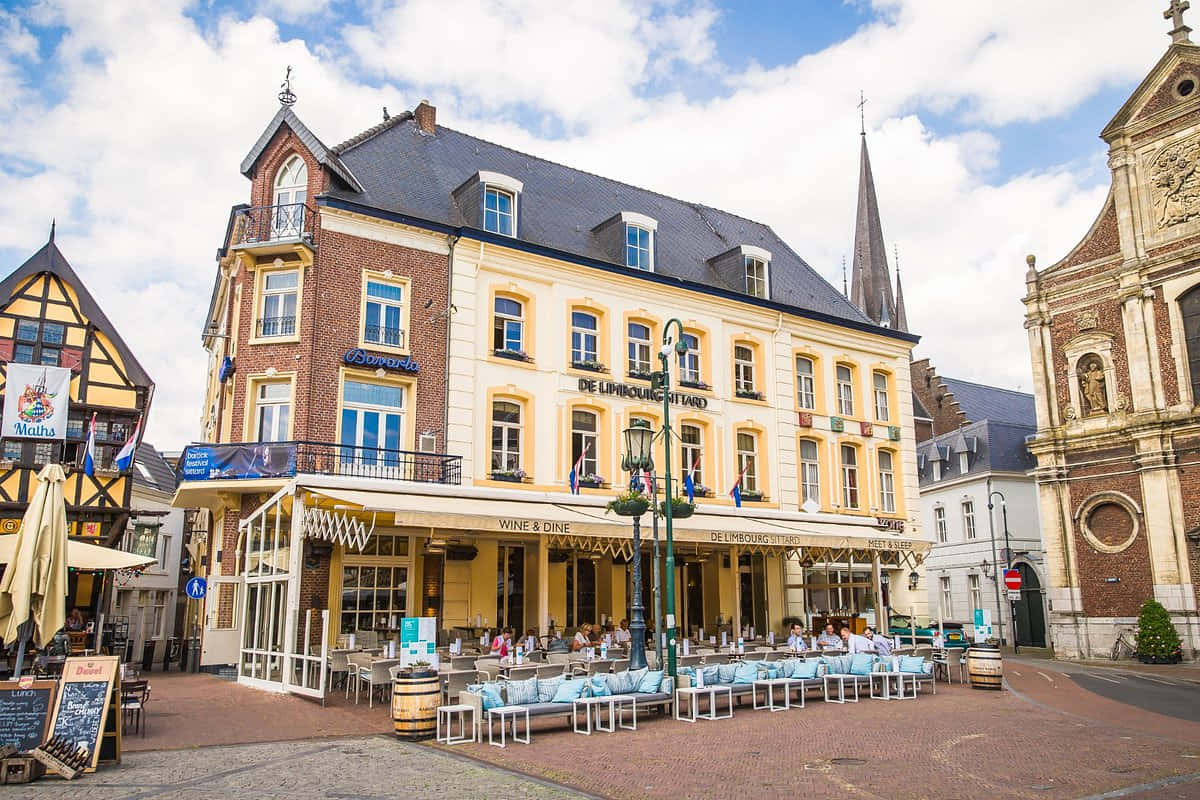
502, 645
855, 643
531, 641
883, 645
75, 621
829, 640
621, 635
795, 641
582, 638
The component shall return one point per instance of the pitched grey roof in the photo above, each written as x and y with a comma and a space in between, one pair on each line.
324, 156
407, 172
160, 476
999, 447
981, 402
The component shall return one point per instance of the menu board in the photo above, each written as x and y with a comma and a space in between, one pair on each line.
83, 700
24, 711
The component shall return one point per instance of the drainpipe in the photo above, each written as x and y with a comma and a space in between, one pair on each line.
451, 241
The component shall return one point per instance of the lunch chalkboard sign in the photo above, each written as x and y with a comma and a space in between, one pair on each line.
24, 711
83, 700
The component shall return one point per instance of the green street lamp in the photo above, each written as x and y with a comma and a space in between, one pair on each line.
639, 441
662, 381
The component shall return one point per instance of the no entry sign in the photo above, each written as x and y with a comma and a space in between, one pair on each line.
1012, 579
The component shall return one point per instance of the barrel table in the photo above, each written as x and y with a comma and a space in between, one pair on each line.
985, 666
415, 699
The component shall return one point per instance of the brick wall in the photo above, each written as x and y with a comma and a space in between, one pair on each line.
1063, 328
938, 400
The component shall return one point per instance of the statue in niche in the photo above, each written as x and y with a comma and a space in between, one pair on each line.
1092, 385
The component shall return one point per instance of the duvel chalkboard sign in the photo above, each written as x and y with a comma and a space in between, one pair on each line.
83, 699
24, 712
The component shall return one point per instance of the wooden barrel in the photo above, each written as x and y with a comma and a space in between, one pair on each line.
414, 705
985, 666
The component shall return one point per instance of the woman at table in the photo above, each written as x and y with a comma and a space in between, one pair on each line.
582, 638
502, 644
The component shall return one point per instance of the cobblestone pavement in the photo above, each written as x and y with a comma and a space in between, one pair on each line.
365, 768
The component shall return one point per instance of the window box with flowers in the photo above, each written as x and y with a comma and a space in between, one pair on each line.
749, 394
515, 355
701, 385
700, 490
750, 496
588, 365
508, 475
591, 482
640, 374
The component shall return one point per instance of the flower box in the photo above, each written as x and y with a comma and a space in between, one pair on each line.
752, 497
680, 508
514, 355
701, 385
509, 475
702, 491
748, 394
588, 366
639, 375
591, 482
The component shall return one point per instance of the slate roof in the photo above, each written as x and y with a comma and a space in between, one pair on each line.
404, 171
999, 447
161, 477
981, 402
323, 155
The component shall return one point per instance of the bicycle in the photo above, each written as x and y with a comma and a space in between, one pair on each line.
1122, 644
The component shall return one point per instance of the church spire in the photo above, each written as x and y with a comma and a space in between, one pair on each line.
871, 280
901, 314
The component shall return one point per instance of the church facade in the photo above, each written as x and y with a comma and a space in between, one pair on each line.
1114, 337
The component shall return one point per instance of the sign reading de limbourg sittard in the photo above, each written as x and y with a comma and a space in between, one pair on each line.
640, 392
358, 357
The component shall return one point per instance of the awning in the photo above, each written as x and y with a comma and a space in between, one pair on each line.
554, 519
82, 555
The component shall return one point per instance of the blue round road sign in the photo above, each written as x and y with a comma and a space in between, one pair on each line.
196, 588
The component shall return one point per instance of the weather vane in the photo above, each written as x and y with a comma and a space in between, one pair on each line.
862, 112
286, 95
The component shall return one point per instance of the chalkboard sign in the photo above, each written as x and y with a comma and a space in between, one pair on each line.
83, 701
24, 711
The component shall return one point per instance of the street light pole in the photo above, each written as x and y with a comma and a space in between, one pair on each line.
637, 621
1012, 605
663, 383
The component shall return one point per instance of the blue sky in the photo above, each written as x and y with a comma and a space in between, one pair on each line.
983, 120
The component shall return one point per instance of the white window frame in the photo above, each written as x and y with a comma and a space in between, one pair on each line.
810, 472
974, 590
947, 599
591, 459
689, 362
639, 349
939, 524
289, 190
690, 452
747, 459
510, 457
851, 489
887, 482
490, 190
806, 396
755, 272
968, 512
882, 405
845, 389
581, 336
743, 369
638, 256
384, 305
279, 423
505, 319
279, 295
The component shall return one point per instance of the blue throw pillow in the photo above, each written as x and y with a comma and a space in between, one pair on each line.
862, 664
711, 675
547, 687
787, 667
689, 671
635, 679
522, 692
650, 682
835, 665
668, 685
746, 672
600, 686
570, 690
912, 664
725, 673
621, 682
490, 692
773, 670
806, 670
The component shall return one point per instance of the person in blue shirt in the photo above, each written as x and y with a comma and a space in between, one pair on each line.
883, 645
795, 642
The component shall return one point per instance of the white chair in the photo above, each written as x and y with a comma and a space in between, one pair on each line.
356, 664
339, 663
490, 667
378, 674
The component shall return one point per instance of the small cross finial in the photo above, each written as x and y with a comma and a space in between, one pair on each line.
896, 251
845, 293
862, 114
286, 96
1174, 12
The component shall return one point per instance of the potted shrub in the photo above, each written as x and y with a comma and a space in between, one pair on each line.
1157, 640
680, 508
420, 669
509, 475
631, 503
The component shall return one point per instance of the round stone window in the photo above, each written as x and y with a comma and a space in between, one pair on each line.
1186, 87
1109, 527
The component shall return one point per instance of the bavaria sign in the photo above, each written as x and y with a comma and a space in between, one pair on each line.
1012, 579
357, 357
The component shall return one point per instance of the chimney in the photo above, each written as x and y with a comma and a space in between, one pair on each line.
426, 116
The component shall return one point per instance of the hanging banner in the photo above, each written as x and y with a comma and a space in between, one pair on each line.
35, 402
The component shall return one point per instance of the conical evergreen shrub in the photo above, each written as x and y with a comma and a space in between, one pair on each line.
1157, 639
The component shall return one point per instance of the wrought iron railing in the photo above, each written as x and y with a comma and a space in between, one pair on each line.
245, 460
276, 326
265, 224
379, 334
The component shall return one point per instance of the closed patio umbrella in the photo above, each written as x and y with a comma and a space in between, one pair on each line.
34, 586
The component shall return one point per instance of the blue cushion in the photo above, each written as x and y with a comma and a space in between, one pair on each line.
912, 664
862, 664
621, 682
522, 692
725, 673
711, 675
650, 682
600, 686
788, 666
490, 692
772, 669
635, 679
547, 687
805, 670
668, 685
746, 672
691, 671
570, 690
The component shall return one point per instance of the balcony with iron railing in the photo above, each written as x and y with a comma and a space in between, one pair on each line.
249, 460
275, 229
267, 327
382, 335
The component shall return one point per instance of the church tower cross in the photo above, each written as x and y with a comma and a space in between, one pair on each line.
1179, 34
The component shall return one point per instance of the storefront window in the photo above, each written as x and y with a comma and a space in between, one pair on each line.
372, 596
581, 591
510, 587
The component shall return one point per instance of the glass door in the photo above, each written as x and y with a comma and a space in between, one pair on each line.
372, 427
510, 588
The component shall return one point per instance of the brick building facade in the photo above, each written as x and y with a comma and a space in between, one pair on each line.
1112, 330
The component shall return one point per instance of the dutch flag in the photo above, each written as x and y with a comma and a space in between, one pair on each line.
574, 476
736, 491
89, 450
689, 483
124, 458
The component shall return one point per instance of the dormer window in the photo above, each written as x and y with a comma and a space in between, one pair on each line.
491, 201
638, 252
499, 211
745, 267
627, 237
756, 277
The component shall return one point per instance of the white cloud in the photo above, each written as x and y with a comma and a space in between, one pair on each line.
137, 153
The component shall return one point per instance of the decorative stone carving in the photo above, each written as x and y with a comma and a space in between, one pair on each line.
1175, 183
1121, 404
1092, 387
1087, 320
1069, 413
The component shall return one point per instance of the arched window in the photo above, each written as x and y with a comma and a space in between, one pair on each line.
639, 350
805, 392
689, 362
747, 461
506, 436
1189, 306
508, 326
743, 370
845, 390
291, 192
849, 476
879, 382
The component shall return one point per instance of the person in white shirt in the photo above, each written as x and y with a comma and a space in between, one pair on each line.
581, 639
622, 635
795, 642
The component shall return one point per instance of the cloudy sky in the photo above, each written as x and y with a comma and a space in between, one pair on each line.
126, 120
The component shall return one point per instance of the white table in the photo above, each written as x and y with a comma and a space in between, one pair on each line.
692, 693
591, 708
505, 713
622, 702
841, 684
769, 685
886, 678
447, 713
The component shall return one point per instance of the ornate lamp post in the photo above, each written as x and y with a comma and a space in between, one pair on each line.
639, 441
662, 381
